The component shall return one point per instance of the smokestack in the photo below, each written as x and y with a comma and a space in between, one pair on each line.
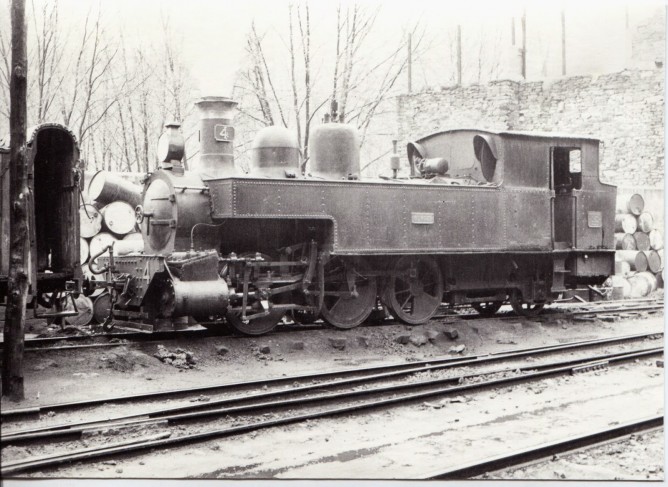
216, 136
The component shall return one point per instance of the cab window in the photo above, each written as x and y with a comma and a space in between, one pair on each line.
566, 169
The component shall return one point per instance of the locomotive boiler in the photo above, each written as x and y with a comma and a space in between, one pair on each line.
484, 218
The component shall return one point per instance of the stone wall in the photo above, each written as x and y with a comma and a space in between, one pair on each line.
625, 110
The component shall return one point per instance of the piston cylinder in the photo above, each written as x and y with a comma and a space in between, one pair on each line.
199, 298
216, 136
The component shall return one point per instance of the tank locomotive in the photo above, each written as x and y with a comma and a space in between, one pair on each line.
484, 218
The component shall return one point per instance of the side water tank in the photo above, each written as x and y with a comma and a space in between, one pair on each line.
275, 153
335, 151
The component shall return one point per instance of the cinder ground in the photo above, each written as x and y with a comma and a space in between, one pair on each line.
403, 442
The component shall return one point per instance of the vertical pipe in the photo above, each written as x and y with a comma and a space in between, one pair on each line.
459, 55
410, 63
563, 42
524, 44
12, 364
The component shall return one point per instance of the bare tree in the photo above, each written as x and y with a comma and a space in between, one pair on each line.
47, 59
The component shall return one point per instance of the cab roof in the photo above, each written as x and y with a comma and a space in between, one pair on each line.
519, 133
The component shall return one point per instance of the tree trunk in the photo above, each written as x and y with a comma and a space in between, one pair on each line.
12, 365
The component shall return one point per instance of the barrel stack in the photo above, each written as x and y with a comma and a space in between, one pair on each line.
639, 244
108, 216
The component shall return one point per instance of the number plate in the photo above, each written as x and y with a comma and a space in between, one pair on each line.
594, 219
422, 218
223, 133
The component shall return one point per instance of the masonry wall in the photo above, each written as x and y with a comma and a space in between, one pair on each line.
624, 110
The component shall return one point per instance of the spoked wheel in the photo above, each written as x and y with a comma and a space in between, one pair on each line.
487, 309
304, 317
522, 308
214, 324
415, 289
350, 295
260, 325
257, 326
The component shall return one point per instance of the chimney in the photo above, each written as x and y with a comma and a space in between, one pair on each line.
216, 136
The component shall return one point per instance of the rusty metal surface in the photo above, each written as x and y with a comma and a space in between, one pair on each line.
53, 208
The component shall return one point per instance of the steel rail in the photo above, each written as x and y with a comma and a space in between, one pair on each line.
180, 413
564, 312
616, 310
543, 451
471, 359
84, 454
143, 336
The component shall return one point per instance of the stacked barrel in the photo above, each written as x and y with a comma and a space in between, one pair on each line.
639, 255
108, 216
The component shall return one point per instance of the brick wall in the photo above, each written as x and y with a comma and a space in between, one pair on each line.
624, 110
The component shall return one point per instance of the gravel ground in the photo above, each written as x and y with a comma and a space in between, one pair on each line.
398, 443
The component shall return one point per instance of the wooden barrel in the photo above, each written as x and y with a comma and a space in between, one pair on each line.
646, 222
131, 246
134, 236
106, 187
625, 241
659, 280
101, 307
655, 240
653, 260
636, 259
100, 241
90, 221
119, 217
660, 253
616, 282
83, 250
640, 286
622, 268
625, 223
84, 308
635, 204
650, 278
642, 241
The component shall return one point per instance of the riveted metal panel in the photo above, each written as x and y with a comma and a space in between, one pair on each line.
378, 217
528, 219
593, 202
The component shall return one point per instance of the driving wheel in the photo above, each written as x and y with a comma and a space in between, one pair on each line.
350, 294
415, 289
487, 309
261, 324
257, 326
522, 308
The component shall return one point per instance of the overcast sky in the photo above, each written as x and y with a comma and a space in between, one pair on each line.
214, 30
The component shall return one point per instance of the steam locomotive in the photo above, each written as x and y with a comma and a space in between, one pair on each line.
484, 218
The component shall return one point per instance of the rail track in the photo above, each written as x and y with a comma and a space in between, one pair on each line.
341, 388
544, 450
115, 339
